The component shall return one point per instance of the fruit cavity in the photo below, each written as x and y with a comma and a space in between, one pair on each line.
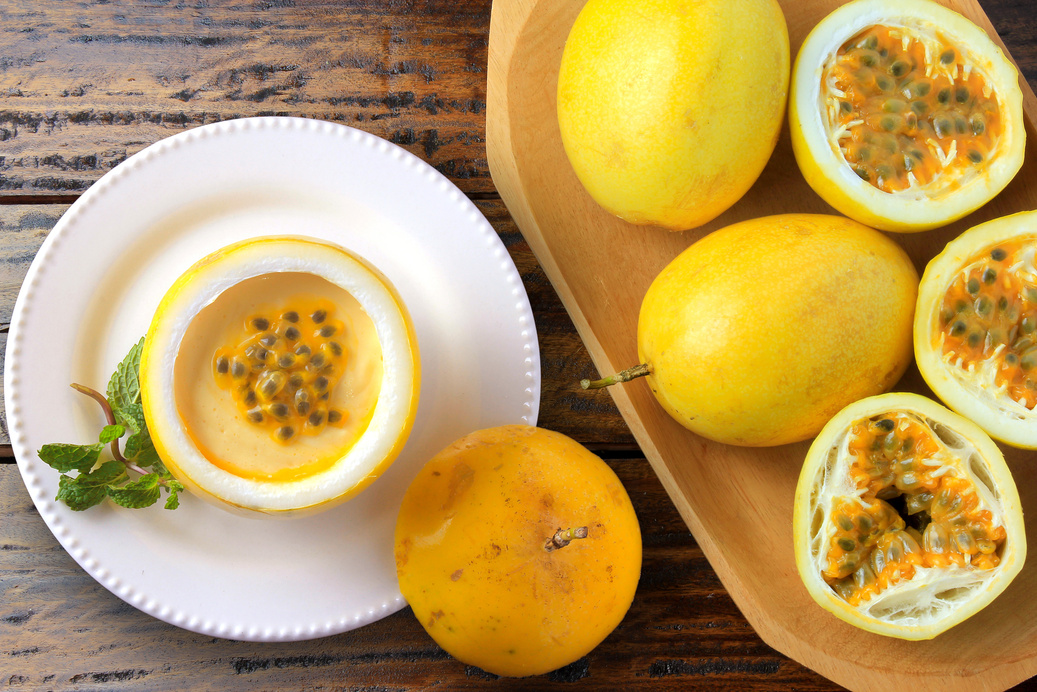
975, 333
904, 115
905, 120
907, 519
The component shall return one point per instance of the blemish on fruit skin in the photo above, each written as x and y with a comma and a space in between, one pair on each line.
456, 575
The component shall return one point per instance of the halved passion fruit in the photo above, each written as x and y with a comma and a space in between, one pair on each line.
907, 520
904, 115
279, 374
975, 327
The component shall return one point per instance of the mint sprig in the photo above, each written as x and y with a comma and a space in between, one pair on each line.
95, 480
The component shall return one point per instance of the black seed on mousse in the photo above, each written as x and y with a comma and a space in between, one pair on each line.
268, 339
292, 334
255, 415
316, 418
334, 416
295, 380
260, 324
320, 384
998, 254
335, 348
223, 365
972, 286
238, 369
958, 328
885, 424
303, 350
947, 57
290, 316
317, 360
285, 432
278, 409
327, 330
250, 398
287, 360
989, 276
319, 316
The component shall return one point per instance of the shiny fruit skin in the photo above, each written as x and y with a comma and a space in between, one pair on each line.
669, 110
470, 554
825, 168
761, 331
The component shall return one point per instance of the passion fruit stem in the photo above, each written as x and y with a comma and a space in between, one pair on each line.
623, 376
109, 415
564, 537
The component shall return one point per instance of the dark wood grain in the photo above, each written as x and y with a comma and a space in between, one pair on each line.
84, 85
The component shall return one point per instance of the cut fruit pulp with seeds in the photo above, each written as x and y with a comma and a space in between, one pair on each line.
976, 327
905, 115
907, 520
293, 372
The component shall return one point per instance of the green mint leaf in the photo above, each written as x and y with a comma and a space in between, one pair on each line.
108, 473
67, 457
89, 489
139, 448
124, 387
110, 433
76, 497
174, 487
142, 492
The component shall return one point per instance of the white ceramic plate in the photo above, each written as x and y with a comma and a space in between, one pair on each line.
89, 296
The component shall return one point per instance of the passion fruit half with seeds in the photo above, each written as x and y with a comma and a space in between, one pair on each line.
904, 114
280, 374
975, 332
907, 520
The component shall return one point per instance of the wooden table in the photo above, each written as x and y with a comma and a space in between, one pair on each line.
83, 86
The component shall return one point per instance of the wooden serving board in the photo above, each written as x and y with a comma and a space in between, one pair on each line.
737, 502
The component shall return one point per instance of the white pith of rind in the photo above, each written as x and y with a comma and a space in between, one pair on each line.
910, 31
922, 597
392, 408
909, 209
937, 598
973, 392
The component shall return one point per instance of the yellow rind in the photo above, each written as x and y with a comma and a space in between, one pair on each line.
669, 111
824, 167
761, 331
1019, 430
470, 557
1014, 552
254, 497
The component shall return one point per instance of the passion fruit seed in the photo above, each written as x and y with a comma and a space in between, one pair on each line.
997, 296
899, 458
275, 384
953, 119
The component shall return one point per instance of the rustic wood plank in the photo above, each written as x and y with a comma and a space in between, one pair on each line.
84, 85
592, 419
61, 629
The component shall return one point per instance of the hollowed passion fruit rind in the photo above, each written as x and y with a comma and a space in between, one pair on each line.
975, 331
320, 485
904, 115
907, 520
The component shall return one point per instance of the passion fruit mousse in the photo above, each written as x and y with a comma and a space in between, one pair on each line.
280, 374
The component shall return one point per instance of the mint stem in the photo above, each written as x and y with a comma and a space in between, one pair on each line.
109, 416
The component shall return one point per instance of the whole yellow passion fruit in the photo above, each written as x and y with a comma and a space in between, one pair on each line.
517, 549
279, 375
761, 331
669, 110
907, 520
904, 114
976, 327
